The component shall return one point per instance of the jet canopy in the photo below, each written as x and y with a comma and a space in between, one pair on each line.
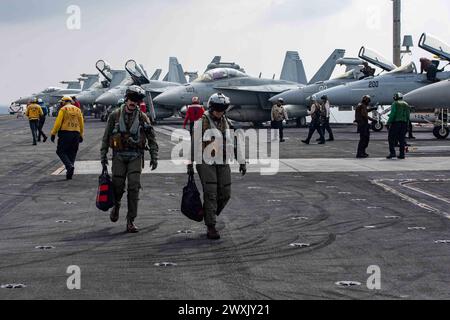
51, 90
409, 68
435, 46
220, 74
137, 72
376, 59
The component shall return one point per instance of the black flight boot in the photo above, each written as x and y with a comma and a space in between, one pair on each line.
114, 216
213, 234
131, 228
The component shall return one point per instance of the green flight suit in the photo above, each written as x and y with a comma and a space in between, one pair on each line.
128, 162
215, 178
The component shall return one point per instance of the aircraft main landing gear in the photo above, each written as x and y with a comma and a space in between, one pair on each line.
441, 130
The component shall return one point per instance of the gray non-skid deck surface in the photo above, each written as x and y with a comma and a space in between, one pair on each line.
351, 220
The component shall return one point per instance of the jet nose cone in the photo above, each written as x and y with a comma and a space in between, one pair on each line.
417, 98
25, 100
107, 99
83, 98
274, 99
432, 96
293, 97
337, 96
172, 97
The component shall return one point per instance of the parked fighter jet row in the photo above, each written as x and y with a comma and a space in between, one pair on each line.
252, 97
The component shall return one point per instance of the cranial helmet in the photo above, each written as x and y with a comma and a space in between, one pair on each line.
366, 99
218, 102
66, 100
195, 100
135, 94
398, 96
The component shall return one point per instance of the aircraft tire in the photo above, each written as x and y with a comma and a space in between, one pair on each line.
377, 127
441, 133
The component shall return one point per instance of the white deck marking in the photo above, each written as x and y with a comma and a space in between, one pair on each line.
381, 183
300, 166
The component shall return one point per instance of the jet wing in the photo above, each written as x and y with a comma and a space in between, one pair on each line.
268, 88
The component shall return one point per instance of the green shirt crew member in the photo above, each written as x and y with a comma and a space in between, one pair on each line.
398, 126
216, 177
129, 133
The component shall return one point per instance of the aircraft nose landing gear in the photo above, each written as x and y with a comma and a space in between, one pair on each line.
378, 126
441, 130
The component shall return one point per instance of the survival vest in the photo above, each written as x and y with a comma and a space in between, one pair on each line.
125, 140
227, 140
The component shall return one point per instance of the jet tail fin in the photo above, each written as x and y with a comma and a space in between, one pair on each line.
216, 59
181, 74
89, 80
327, 69
156, 75
176, 73
76, 85
293, 69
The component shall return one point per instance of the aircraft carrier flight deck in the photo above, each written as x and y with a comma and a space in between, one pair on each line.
312, 231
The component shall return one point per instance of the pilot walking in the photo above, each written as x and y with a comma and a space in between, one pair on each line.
326, 112
315, 124
34, 113
279, 115
69, 126
362, 119
128, 133
42, 121
215, 173
398, 126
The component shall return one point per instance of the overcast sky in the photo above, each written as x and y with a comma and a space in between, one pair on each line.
38, 50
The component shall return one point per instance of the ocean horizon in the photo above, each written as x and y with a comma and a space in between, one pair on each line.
3, 110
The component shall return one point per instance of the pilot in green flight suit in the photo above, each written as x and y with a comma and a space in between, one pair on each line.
216, 176
129, 133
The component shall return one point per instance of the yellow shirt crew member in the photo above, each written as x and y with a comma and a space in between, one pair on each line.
69, 126
69, 119
34, 112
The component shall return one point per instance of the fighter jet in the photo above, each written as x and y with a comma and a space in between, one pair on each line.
113, 78
52, 95
435, 96
154, 87
249, 95
382, 88
301, 96
175, 77
87, 97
